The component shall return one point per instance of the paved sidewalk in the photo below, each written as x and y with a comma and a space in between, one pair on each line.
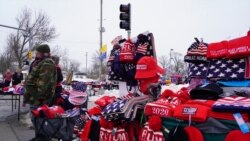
10, 127
6, 132
21, 131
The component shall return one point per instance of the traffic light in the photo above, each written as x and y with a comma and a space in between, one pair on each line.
125, 17
29, 55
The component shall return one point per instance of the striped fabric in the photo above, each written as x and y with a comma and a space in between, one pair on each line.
148, 134
232, 104
123, 108
142, 48
128, 96
72, 112
197, 49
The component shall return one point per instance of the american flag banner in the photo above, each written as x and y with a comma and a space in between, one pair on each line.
227, 68
198, 70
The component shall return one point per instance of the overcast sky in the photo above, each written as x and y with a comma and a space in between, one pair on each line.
174, 23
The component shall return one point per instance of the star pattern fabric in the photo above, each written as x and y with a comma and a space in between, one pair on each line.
114, 107
227, 68
113, 110
198, 70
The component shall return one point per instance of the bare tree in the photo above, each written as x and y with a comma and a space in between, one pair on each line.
69, 65
59, 51
95, 68
164, 61
178, 62
39, 30
74, 65
65, 64
6, 61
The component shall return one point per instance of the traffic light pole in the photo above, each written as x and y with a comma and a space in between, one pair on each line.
129, 34
29, 33
125, 17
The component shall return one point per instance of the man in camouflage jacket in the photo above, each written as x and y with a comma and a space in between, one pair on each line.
41, 82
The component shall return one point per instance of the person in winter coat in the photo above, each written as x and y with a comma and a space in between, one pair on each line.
59, 79
7, 78
40, 84
17, 77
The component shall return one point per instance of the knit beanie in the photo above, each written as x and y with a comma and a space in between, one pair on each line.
237, 135
44, 48
193, 133
167, 93
198, 113
196, 53
155, 123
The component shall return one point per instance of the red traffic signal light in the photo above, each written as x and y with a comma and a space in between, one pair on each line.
125, 16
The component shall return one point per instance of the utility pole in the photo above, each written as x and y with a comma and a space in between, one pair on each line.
86, 62
101, 30
170, 67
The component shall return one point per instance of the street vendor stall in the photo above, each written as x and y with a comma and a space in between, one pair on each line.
215, 106
13, 94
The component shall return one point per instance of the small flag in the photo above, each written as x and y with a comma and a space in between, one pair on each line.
103, 52
103, 48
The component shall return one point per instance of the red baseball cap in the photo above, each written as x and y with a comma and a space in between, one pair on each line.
147, 67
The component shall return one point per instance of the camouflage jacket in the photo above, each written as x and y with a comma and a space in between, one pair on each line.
40, 83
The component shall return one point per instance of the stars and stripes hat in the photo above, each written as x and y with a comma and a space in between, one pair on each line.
197, 52
197, 49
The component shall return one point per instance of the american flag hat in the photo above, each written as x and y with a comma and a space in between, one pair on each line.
197, 49
196, 52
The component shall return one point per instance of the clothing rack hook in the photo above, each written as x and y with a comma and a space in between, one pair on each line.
189, 120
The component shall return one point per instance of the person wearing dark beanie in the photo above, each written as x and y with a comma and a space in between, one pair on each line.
40, 83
